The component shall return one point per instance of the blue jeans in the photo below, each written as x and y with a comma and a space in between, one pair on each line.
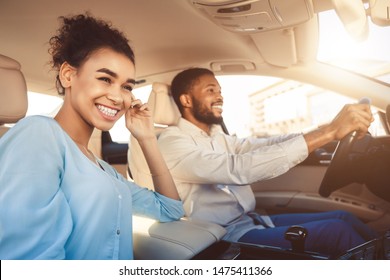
330, 233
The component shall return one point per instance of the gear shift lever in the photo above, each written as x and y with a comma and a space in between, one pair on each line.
297, 236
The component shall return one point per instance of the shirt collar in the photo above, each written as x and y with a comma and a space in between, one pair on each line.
190, 128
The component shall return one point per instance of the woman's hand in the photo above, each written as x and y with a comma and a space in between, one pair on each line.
139, 120
140, 123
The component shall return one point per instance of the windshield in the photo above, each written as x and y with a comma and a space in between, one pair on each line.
370, 57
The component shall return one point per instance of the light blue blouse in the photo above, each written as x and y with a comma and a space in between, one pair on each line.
56, 204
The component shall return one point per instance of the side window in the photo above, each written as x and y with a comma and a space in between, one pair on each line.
292, 107
43, 104
264, 106
274, 106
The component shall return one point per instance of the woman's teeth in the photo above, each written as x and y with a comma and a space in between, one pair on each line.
107, 111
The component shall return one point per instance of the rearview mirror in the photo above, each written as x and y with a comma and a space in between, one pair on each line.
380, 12
353, 15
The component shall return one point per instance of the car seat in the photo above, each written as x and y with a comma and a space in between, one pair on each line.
165, 113
13, 93
174, 240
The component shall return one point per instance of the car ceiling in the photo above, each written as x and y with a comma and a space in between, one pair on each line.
167, 36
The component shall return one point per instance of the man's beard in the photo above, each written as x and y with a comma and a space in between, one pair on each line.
204, 115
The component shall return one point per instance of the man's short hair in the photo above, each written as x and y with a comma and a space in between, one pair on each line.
184, 81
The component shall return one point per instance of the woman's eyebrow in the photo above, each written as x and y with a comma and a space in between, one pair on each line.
114, 75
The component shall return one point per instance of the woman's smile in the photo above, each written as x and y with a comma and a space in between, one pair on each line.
107, 112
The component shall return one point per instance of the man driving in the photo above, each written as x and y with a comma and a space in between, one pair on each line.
213, 171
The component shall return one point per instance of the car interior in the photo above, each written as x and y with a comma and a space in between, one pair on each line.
13, 93
274, 38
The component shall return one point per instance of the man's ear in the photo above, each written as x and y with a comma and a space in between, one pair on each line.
65, 74
185, 100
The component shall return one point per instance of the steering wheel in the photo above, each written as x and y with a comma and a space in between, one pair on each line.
334, 177
371, 169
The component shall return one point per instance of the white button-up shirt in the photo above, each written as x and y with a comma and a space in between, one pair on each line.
213, 172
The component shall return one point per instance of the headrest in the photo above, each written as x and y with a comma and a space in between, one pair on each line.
164, 109
13, 91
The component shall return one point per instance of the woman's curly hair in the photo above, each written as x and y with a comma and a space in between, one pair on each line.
81, 35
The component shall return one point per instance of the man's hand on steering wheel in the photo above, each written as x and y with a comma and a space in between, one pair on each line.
352, 117
349, 125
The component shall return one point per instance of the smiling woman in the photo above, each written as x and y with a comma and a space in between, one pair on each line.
84, 207
264, 56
